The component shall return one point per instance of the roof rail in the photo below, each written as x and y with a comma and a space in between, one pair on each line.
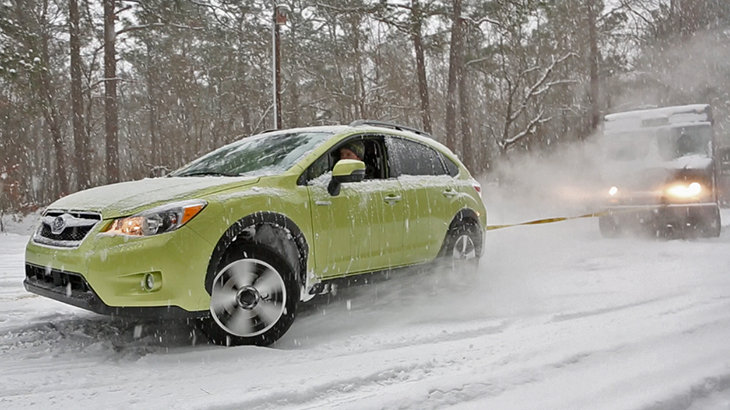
391, 125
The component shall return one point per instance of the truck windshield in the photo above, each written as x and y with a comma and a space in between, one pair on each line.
264, 154
683, 141
628, 146
666, 143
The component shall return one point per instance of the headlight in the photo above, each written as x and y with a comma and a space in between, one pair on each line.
691, 190
613, 191
158, 220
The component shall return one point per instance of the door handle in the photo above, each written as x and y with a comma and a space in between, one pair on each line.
391, 199
323, 203
450, 193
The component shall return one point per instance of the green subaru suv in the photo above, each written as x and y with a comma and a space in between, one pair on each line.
240, 236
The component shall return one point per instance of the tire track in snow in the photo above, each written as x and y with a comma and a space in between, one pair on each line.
560, 317
694, 393
337, 392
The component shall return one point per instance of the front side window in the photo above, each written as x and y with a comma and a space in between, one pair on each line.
258, 155
413, 158
373, 155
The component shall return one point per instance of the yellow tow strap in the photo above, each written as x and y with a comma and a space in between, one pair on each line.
548, 220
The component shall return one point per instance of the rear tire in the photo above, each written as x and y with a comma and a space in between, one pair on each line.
253, 298
463, 249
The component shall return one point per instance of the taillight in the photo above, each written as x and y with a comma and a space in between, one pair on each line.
477, 188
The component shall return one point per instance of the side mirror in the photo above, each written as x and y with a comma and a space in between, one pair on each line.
346, 170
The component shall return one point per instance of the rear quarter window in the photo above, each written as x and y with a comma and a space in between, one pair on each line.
451, 168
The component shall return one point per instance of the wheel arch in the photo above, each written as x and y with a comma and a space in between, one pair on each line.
270, 229
465, 216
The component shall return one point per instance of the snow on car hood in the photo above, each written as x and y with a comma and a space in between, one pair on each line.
126, 198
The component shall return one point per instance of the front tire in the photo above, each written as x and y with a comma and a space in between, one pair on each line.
253, 297
713, 226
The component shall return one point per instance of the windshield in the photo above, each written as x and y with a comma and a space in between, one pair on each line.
628, 146
259, 155
665, 143
680, 142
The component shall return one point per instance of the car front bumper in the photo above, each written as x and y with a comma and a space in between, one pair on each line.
109, 274
661, 216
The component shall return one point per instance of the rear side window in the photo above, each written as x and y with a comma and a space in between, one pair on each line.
413, 158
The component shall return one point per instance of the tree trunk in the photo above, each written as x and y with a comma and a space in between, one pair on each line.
416, 19
277, 70
294, 83
110, 93
455, 67
81, 142
465, 126
361, 107
593, 63
50, 112
150, 77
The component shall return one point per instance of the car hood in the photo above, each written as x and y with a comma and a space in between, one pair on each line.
690, 162
126, 198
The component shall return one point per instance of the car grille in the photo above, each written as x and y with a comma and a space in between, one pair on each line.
65, 229
52, 278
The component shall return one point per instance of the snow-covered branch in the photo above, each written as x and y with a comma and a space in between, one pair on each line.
528, 130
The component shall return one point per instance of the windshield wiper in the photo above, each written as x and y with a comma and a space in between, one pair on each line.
203, 173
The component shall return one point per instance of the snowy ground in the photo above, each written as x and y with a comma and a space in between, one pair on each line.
558, 319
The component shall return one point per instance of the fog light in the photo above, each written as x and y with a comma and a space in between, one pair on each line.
148, 283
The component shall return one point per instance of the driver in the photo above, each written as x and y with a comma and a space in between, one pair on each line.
353, 150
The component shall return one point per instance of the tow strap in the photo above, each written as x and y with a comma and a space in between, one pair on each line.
548, 220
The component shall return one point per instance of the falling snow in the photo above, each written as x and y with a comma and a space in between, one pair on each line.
557, 318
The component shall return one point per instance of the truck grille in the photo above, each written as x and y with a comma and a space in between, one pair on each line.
65, 229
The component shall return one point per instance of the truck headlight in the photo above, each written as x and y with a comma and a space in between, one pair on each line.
157, 220
684, 191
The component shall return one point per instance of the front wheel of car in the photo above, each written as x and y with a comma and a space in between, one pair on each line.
253, 297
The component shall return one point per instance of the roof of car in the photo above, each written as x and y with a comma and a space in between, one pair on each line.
370, 126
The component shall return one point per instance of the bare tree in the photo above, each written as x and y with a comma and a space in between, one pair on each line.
594, 58
81, 140
416, 34
520, 96
110, 92
455, 71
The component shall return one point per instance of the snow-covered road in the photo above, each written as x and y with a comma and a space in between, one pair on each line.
558, 319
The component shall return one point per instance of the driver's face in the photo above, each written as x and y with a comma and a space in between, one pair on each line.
346, 153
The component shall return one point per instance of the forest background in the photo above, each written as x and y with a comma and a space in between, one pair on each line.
96, 92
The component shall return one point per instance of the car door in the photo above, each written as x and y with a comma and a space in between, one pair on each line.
361, 228
429, 193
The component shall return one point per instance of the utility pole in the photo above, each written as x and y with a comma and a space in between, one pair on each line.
279, 19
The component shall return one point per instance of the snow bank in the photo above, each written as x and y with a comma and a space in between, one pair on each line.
21, 224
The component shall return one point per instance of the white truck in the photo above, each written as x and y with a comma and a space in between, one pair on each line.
660, 168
